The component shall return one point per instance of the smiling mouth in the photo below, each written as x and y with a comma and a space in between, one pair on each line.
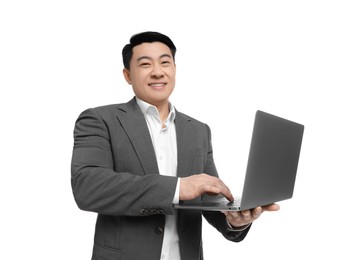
157, 85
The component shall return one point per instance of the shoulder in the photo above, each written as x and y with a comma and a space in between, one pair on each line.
192, 121
99, 111
106, 109
188, 118
111, 109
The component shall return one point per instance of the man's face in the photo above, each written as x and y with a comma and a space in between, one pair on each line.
152, 72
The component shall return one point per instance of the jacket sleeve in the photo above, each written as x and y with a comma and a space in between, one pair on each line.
99, 188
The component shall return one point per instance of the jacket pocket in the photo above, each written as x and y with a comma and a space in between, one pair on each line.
101, 252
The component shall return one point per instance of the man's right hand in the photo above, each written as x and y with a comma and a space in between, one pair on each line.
199, 184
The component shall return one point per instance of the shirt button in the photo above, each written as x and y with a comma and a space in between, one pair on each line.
159, 230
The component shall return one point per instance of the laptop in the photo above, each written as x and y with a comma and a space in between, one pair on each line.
271, 167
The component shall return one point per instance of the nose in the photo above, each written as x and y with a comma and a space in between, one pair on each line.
157, 72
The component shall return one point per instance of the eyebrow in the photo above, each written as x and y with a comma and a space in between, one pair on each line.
149, 58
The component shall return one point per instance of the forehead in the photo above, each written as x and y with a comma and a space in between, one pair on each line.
151, 50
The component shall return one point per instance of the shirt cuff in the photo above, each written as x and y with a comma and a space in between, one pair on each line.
176, 197
231, 228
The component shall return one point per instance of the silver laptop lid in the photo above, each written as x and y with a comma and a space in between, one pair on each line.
273, 160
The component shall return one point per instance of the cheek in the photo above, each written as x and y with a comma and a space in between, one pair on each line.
138, 79
172, 75
174, 80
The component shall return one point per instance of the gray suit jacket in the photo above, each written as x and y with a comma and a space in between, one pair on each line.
115, 173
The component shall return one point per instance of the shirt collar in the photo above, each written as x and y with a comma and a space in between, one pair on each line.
147, 108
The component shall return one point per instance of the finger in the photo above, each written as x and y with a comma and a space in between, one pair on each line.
256, 212
217, 186
233, 214
210, 189
225, 191
271, 207
246, 214
227, 194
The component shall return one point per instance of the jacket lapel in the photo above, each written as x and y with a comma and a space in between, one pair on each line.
134, 124
186, 144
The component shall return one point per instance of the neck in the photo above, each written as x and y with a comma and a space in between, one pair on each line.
162, 107
163, 110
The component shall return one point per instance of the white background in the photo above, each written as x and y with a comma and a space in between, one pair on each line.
58, 58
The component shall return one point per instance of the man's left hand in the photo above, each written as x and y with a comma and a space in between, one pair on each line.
242, 218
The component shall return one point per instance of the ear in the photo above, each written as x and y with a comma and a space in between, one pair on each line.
127, 76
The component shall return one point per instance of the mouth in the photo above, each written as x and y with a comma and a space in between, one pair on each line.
157, 85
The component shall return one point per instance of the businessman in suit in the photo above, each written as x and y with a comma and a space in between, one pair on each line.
132, 161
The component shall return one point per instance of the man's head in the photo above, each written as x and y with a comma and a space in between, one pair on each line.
150, 67
140, 38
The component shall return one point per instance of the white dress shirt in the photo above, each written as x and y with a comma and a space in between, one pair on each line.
165, 147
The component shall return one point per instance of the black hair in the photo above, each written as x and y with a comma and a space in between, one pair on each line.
140, 38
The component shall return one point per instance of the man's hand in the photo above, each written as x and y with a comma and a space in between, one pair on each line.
199, 184
242, 218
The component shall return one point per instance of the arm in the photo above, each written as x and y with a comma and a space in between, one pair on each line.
196, 185
233, 225
98, 187
218, 219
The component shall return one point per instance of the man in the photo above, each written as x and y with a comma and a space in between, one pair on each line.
132, 161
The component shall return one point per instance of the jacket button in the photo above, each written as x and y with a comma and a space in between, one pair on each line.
159, 230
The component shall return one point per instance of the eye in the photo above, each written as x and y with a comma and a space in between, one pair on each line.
144, 64
165, 63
